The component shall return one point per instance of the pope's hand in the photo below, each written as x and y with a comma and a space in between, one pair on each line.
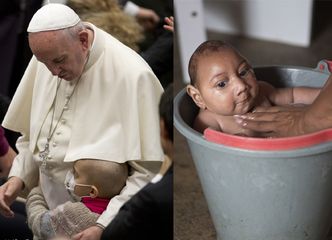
91, 233
8, 193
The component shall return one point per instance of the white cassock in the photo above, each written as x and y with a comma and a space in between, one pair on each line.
112, 115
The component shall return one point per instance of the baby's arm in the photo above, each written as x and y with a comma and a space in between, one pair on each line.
36, 207
305, 95
205, 120
65, 220
283, 96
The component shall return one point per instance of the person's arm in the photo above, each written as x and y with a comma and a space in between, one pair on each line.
23, 176
296, 95
146, 17
36, 207
278, 121
65, 220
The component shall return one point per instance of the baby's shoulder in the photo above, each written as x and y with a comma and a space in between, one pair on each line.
206, 119
265, 86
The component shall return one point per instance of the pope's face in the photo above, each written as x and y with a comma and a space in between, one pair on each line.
226, 83
63, 55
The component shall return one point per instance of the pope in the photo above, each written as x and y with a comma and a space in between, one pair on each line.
84, 95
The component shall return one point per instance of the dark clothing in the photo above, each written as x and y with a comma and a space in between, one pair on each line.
160, 57
15, 16
17, 227
157, 49
147, 215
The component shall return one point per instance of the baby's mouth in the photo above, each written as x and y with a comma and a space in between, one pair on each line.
244, 100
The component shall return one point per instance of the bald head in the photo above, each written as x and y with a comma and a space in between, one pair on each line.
205, 49
109, 177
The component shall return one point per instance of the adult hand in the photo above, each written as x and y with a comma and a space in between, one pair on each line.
169, 23
91, 233
8, 193
147, 18
6, 162
278, 121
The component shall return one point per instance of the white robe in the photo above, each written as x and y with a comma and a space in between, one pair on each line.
115, 117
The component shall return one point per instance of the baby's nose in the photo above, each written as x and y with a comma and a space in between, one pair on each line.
240, 86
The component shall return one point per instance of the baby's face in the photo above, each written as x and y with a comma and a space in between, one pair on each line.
82, 187
227, 83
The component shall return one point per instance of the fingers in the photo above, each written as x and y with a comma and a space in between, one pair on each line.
169, 21
4, 206
266, 109
77, 236
266, 127
258, 116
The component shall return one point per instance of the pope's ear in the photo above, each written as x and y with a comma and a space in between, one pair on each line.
84, 38
196, 96
94, 192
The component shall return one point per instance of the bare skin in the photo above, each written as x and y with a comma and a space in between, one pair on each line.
226, 86
283, 122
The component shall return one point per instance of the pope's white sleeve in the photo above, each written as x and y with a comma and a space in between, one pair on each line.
139, 177
24, 166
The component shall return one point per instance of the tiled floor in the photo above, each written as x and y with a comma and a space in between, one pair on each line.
192, 219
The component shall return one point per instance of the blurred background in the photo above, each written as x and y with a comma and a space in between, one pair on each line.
267, 32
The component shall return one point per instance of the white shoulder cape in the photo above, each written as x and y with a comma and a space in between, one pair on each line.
116, 115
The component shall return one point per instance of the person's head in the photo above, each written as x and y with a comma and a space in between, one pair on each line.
166, 120
60, 40
222, 81
99, 178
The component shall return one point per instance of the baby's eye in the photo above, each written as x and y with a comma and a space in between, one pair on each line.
221, 84
244, 72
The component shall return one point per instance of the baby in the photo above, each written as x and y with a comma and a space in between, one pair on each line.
223, 84
93, 182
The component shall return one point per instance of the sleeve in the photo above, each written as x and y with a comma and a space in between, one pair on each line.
18, 119
67, 219
70, 218
36, 207
138, 178
24, 166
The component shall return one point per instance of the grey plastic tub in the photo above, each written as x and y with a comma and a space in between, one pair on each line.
265, 194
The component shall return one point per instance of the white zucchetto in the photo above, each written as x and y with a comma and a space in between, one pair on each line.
53, 16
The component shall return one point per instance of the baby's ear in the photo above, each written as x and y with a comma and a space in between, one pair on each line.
196, 96
94, 192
